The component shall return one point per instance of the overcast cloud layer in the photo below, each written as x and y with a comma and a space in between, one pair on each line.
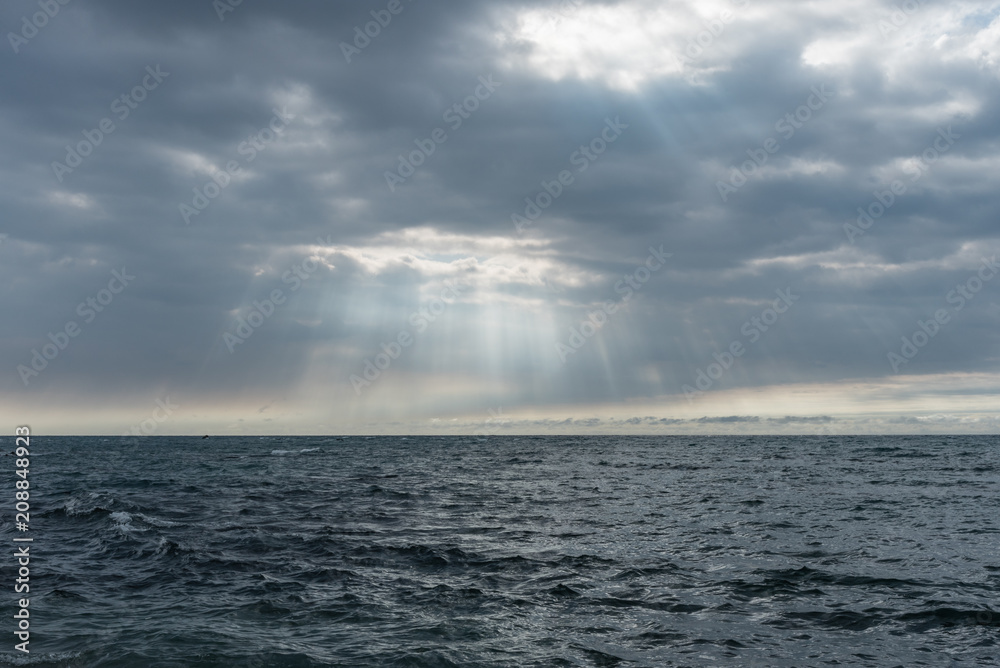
713, 157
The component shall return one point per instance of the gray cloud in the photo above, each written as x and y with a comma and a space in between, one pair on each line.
319, 191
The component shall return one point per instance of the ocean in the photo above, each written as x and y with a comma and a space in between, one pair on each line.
508, 551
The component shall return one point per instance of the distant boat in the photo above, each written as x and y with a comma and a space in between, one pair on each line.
204, 437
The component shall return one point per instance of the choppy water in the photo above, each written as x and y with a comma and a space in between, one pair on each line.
554, 551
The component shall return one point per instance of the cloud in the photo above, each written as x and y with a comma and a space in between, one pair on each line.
317, 192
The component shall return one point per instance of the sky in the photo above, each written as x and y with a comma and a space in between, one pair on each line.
404, 216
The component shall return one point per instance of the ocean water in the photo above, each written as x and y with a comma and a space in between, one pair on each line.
510, 551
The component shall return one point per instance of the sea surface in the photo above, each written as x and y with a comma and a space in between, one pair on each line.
509, 551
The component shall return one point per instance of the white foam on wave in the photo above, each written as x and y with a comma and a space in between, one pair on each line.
309, 450
71, 505
281, 452
156, 522
123, 521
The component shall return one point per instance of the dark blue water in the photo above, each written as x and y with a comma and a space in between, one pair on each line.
519, 551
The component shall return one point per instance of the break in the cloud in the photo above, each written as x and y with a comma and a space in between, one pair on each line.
602, 216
